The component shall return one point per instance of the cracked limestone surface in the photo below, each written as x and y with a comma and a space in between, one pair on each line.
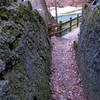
25, 54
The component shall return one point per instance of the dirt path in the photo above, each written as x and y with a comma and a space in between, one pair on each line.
65, 81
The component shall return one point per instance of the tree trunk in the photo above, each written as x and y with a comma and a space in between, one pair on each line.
44, 11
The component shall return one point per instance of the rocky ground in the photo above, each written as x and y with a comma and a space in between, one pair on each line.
65, 81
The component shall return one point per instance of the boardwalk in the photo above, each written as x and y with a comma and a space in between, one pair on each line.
65, 81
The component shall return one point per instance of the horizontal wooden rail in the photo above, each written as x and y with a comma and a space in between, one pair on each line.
58, 28
66, 22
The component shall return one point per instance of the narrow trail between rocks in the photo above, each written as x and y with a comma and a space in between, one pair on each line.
65, 81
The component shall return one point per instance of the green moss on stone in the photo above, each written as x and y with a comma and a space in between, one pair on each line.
27, 52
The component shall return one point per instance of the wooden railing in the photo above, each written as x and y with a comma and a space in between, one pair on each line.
59, 29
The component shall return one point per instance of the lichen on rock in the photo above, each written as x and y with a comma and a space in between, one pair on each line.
25, 54
88, 51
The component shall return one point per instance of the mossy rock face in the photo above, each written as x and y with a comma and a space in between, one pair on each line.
25, 54
6, 2
88, 51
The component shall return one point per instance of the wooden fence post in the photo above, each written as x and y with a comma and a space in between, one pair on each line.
70, 24
49, 28
60, 27
77, 20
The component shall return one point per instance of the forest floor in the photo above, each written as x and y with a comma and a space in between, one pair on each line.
65, 81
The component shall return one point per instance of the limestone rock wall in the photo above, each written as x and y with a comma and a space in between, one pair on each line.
25, 54
88, 51
6, 2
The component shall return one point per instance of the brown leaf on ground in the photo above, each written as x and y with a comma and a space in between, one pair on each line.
65, 81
